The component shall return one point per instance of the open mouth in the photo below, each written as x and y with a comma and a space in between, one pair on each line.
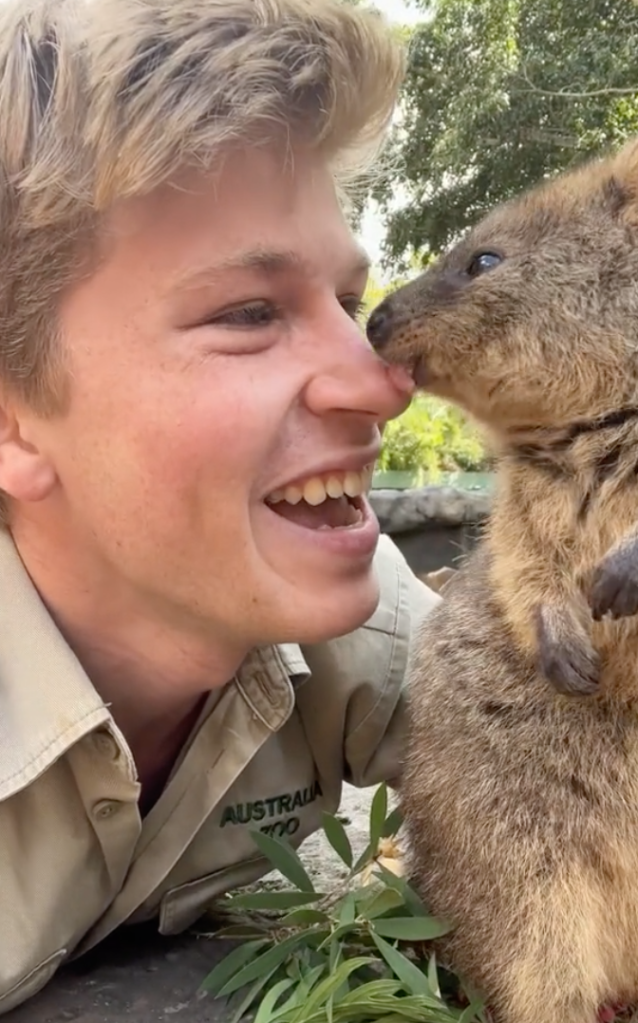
334, 501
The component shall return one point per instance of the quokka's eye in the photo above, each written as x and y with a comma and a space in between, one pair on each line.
481, 262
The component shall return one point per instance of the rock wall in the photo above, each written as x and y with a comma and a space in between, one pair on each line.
433, 525
399, 511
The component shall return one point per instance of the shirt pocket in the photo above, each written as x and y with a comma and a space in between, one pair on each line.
32, 983
183, 905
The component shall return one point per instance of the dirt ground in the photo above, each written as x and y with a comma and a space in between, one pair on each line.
137, 975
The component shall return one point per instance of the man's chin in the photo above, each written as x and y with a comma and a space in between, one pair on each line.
348, 608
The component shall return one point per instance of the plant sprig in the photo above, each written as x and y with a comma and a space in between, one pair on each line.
358, 954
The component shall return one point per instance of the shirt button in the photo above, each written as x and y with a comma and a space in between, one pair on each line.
106, 744
105, 808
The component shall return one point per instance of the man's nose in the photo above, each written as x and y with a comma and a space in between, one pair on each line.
354, 379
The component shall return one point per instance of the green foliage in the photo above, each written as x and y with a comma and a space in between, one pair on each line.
433, 436
355, 955
375, 292
498, 95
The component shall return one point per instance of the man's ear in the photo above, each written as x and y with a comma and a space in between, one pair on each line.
26, 473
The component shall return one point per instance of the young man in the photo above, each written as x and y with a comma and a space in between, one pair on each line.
200, 630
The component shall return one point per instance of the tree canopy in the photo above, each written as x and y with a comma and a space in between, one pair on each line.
498, 94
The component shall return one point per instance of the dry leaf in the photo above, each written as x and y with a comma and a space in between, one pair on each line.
389, 855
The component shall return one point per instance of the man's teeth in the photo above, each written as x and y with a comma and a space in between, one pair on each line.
353, 517
317, 489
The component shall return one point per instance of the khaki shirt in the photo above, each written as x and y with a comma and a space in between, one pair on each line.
270, 751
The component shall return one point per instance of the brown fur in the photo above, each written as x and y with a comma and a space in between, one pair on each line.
521, 796
440, 580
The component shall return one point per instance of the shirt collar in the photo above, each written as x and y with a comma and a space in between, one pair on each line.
294, 662
47, 701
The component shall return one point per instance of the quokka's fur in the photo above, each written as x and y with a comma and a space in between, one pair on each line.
520, 787
440, 579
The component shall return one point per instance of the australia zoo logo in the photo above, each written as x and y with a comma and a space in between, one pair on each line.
276, 815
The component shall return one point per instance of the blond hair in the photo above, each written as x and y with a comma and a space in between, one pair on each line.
105, 99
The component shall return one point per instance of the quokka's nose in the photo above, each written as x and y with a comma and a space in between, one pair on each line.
379, 325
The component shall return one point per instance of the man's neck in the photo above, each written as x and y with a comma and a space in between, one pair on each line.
151, 670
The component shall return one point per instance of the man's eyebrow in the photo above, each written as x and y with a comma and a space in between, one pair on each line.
266, 261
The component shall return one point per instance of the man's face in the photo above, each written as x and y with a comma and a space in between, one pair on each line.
216, 368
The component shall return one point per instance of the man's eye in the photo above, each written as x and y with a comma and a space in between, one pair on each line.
263, 314
253, 314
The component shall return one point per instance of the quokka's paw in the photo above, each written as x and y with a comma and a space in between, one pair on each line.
566, 656
611, 587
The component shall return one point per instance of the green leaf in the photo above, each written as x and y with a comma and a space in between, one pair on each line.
423, 928
303, 917
267, 1005
284, 858
336, 954
303, 974
413, 979
380, 988
380, 902
476, 1007
328, 986
230, 964
273, 900
433, 977
392, 823
363, 858
310, 978
247, 932
315, 937
382, 1001
244, 1004
294, 967
472, 1011
338, 838
347, 909
335, 959
378, 813
410, 897
261, 965
336, 935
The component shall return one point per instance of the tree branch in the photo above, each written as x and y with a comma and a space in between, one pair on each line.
569, 94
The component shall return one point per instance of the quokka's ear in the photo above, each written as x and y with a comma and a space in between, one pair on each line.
616, 195
620, 187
